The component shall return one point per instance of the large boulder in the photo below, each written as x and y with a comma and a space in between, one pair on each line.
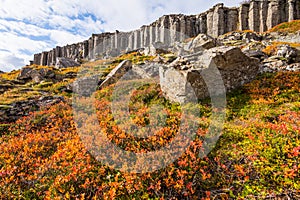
62, 62
201, 42
37, 75
198, 73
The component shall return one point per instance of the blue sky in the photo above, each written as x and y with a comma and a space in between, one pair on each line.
32, 26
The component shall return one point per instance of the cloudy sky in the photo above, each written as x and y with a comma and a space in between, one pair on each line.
32, 26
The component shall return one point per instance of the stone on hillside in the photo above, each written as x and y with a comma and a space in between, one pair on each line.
255, 54
287, 52
295, 67
11, 113
117, 73
63, 62
156, 49
37, 75
240, 35
234, 66
201, 42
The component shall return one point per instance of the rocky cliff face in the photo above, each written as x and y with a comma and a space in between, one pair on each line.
256, 15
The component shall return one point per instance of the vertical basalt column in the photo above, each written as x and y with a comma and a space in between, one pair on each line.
164, 31
152, 34
263, 13
273, 14
146, 30
218, 21
105, 44
141, 37
118, 41
244, 17
297, 9
283, 10
291, 10
203, 23
85, 48
91, 48
231, 19
191, 26
36, 59
210, 22
111, 42
254, 17
69, 50
124, 41
50, 57
100, 46
183, 29
74, 51
130, 41
62, 52
157, 33
137, 39
96, 44
174, 27
44, 58
58, 53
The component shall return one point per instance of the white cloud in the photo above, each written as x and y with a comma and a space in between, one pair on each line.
30, 26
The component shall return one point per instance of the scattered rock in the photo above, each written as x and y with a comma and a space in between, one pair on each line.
239, 37
287, 52
255, 54
11, 113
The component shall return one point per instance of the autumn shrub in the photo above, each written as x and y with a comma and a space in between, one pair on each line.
287, 27
257, 155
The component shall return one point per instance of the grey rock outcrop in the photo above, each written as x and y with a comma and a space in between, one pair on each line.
287, 52
37, 75
257, 15
62, 62
235, 69
11, 113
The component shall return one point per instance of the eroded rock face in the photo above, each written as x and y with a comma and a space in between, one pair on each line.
233, 66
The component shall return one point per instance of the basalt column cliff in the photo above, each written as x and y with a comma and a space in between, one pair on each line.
256, 15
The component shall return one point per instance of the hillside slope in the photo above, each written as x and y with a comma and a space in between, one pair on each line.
44, 156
